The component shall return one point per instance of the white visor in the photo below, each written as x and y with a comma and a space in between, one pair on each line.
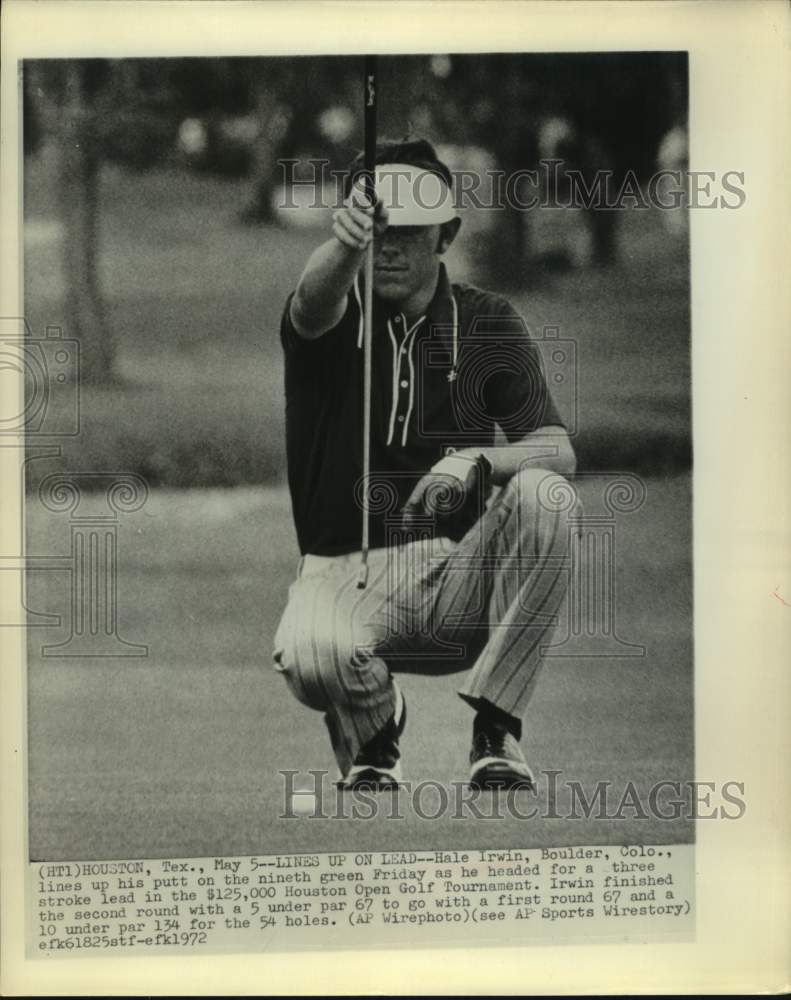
413, 196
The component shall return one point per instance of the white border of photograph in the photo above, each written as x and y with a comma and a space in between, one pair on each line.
739, 115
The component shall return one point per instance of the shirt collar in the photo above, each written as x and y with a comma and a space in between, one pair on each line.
440, 309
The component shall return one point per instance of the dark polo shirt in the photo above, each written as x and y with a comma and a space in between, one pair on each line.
438, 385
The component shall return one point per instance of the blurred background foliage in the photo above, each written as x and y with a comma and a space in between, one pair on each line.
154, 236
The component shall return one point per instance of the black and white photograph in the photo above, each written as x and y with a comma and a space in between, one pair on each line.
361, 580
390, 483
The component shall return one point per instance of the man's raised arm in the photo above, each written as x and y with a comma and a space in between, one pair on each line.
320, 299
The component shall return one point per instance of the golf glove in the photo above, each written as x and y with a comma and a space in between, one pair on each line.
453, 492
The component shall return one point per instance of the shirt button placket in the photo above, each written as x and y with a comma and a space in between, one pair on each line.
400, 322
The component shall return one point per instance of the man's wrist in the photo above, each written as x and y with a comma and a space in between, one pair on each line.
351, 251
486, 464
480, 457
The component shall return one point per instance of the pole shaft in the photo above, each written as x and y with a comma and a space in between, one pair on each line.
369, 159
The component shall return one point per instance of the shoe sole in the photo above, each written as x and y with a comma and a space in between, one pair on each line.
500, 774
371, 778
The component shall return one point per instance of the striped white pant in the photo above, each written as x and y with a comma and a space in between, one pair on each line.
486, 604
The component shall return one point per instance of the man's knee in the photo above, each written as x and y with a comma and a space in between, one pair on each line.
542, 503
305, 686
319, 664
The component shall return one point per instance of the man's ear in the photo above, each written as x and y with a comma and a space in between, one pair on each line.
447, 234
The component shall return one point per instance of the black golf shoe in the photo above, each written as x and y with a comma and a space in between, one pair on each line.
497, 761
378, 764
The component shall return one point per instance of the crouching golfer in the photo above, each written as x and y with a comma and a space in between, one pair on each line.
460, 577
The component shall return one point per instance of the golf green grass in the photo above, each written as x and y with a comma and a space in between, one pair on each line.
179, 753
